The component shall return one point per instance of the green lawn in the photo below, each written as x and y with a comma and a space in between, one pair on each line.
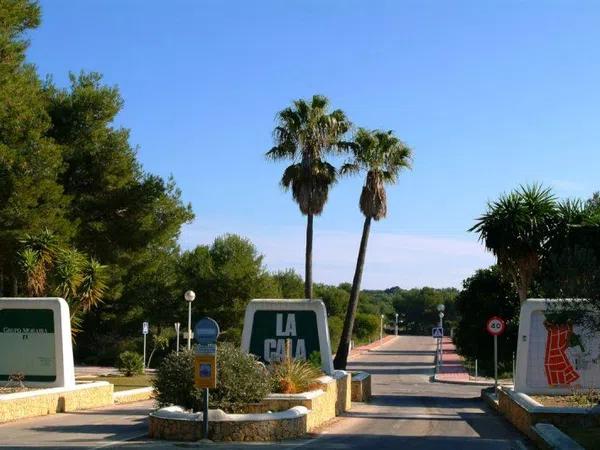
123, 383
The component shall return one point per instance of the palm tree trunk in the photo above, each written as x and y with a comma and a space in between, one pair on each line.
341, 356
308, 257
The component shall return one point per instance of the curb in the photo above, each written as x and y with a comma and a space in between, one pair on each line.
435, 379
358, 351
552, 438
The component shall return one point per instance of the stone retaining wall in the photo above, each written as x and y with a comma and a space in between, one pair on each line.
54, 400
319, 406
524, 412
175, 424
133, 395
334, 398
361, 387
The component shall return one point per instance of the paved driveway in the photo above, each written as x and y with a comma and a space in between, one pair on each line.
407, 412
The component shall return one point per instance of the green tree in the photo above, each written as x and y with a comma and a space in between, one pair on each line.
290, 283
305, 133
381, 155
225, 277
516, 228
31, 197
487, 293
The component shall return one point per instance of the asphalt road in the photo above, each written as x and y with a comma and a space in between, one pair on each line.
407, 412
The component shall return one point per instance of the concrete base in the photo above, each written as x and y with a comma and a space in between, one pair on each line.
361, 387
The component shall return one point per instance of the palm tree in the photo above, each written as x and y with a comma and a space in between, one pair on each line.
382, 155
53, 269
305, 133
517, 228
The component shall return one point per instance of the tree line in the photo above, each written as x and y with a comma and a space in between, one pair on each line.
82, 219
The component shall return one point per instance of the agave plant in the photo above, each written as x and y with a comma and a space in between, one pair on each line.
292, 376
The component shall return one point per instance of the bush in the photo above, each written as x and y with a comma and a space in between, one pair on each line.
131, 363
336, 324
240, 380
293, 376
366, 327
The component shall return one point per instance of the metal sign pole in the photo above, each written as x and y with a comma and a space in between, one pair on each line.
495, 363
205, 415
177, 326
144, 351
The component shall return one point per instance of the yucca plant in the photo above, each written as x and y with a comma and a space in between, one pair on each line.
292, 376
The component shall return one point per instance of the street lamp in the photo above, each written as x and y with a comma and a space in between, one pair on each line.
177, 326
189, 296
396, 330
381, 329
441, 309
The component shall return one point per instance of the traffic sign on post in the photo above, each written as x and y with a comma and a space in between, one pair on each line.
495, 326
144, 328
437, 332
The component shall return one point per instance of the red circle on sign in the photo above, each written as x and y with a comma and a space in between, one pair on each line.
495, 326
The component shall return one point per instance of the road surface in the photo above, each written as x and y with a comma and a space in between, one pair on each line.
407, 412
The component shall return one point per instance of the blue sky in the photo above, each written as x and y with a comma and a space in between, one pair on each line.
489, 94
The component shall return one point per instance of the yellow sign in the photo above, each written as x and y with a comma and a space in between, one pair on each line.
205, 371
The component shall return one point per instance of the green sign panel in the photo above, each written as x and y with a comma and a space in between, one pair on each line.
271, 329
27, 344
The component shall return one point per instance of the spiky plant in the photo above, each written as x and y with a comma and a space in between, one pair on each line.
516, 228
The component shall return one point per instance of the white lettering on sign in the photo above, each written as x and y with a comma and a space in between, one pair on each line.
290, 325
274, 350
300, 350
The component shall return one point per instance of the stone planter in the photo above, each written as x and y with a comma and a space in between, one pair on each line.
174, 423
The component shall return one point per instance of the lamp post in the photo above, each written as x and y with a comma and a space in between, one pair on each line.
381, 329
177, 326
396, 327
441, 309
189, 296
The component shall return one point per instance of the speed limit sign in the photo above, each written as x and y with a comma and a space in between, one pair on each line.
495, 326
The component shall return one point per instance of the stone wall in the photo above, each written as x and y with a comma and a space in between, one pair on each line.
361, 387
54, 400
524, 412
321, 405
175, 424
133, 395
332, 399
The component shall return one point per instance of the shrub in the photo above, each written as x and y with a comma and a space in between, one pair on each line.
366, 327
292, 376
336, 324
131, 363
240, 380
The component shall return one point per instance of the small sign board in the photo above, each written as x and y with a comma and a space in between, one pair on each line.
206, 349
144, 328
437, 332
495, 326
205, 371
206, 331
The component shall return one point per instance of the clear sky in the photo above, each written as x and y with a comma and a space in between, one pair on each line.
489, 94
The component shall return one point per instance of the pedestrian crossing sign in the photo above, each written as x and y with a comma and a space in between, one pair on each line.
437, 332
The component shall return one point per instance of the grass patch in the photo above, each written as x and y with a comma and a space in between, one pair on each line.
578, 399
586, 437
123, 383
